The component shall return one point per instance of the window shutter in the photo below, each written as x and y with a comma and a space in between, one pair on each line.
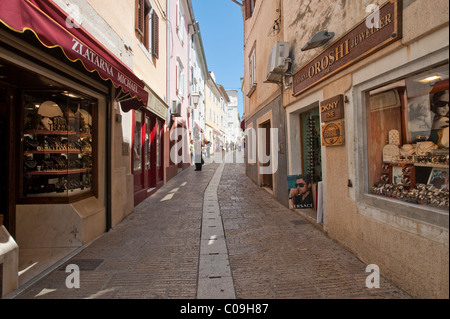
155, 35
248, 9
140, 15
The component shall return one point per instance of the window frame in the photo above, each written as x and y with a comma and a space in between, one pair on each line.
249, 8
180, 22
68, 197
180, 79
252, 71
377, 207
147, 27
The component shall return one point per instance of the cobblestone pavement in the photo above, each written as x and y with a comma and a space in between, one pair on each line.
154, 253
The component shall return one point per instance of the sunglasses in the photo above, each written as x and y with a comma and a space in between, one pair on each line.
441, 104
300, 185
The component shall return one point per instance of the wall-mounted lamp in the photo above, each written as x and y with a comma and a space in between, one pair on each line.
195, 99
318, 40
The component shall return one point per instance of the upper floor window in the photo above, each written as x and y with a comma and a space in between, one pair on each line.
180, 22
147, 27
180, 79
252, 71
249, 8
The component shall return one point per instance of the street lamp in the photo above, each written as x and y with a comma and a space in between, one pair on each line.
195, 99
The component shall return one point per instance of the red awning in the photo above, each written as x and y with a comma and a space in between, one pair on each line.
243, 125
49, 23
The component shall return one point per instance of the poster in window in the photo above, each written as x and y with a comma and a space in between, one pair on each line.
300, 191
439, 107
396, 174
419, 117
439, 178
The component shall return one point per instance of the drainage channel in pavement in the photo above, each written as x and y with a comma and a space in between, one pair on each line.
214, 275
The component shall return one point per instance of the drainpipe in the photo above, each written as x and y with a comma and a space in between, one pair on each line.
168, 97
168, 54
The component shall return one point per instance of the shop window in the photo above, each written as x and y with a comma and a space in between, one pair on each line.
59, 147
148, 143
408, 139
158, 143
137, 153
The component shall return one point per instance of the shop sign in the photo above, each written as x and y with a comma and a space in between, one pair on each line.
332, 109
49, 24
354, 46
155, 105
333, 134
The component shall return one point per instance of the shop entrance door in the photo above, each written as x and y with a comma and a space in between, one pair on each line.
311, 152
148, 164
267, 179
138, 158
7, 185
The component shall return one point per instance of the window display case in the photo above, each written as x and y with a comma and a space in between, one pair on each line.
58, 145
408, 132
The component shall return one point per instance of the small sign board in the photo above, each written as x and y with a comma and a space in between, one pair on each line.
333, 134
332, 109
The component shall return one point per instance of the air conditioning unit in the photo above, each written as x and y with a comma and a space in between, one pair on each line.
175, 110
278, 63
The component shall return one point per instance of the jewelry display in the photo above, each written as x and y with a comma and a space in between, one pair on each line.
57, 145
407, 150
415, 173
425, 147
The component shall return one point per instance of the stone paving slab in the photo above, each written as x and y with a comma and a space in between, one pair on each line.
276, 253
262, 250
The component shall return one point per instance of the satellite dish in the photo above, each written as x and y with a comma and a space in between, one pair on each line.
318, 40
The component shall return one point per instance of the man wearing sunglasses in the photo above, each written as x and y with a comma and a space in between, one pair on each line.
301, 196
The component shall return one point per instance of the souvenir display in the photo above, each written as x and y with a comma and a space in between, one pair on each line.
390, 152
57, 145
407, 150
425, 147
416, 173
394, 137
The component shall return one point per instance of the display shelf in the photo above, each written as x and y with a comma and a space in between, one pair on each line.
41, 132
57, 152
430, 165
59, 146
60, 172
418, 164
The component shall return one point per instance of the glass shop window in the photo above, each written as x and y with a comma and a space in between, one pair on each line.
408, 139
137, 154
58, 145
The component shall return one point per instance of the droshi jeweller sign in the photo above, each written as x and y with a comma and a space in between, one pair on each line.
357, 44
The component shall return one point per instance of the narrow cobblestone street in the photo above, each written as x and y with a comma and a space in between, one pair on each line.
156, 252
